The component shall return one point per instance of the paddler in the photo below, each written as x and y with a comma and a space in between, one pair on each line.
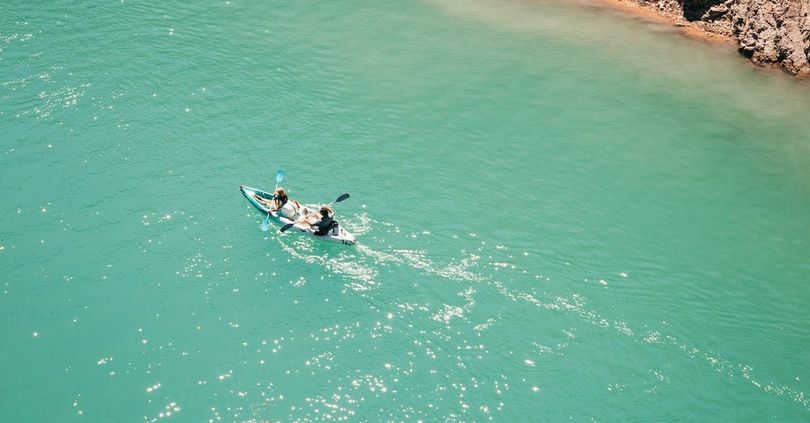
278, 201
323, 221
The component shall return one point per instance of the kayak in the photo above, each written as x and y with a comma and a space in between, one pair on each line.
293, 211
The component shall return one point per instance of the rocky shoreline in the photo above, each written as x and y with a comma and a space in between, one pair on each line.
771, 33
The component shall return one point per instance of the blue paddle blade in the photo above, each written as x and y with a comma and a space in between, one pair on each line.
266, 223
279, 176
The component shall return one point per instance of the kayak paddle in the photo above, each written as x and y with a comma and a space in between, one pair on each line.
339, 199
266, 223
279, 178
290, 225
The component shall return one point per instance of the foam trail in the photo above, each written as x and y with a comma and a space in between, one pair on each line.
362, 277
576, 304
365, 276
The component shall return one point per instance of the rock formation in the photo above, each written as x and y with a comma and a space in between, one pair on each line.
769, 32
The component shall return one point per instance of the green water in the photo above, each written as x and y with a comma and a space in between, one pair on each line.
562, 214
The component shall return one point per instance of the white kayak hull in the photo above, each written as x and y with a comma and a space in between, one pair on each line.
339, 236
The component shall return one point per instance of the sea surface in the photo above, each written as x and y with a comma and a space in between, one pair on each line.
563, 214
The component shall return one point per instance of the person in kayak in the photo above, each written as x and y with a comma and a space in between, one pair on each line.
278, 201
324, 223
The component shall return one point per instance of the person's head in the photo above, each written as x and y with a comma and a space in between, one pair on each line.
280, 192
326, 211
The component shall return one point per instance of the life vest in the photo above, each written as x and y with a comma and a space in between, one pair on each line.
325, 225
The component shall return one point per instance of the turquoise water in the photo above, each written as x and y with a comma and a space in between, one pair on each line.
562, 214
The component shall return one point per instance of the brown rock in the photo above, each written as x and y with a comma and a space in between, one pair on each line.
715, 12
774, 32
769, 32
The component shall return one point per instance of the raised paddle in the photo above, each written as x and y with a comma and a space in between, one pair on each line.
279, 178
339, 199
290, 225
